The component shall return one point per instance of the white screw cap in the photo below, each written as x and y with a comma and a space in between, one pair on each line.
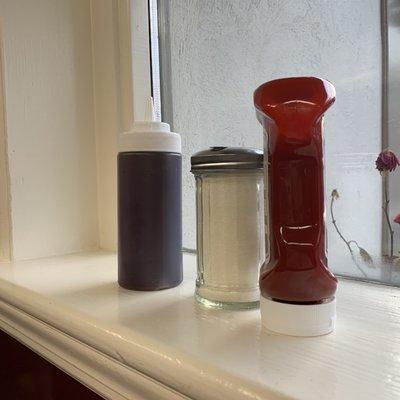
298, 320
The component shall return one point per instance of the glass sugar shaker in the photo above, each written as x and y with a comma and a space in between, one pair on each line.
230, 227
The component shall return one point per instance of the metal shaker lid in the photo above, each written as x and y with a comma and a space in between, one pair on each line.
226, 158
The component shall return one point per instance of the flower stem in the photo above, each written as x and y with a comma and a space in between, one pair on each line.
337, 229
385, 208
347, 242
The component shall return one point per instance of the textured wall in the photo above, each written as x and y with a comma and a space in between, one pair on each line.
221, 50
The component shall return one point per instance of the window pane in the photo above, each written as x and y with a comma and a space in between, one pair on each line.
214, 53
391, 124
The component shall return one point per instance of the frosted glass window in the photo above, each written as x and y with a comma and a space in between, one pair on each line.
214, 53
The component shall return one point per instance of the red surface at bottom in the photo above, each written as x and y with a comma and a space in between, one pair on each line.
24, 375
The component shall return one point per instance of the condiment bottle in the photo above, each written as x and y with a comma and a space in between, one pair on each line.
149, 206
297, 288
230, 230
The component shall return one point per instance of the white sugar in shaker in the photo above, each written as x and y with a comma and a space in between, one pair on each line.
230, 226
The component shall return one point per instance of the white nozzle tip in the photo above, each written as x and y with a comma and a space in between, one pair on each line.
149, 114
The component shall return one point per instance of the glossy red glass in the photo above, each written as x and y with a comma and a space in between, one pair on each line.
291, 112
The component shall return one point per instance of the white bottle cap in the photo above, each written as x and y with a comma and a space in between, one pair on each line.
298, 320
149, 135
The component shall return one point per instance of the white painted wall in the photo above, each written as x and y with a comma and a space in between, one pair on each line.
69, 90
5, 223
107, 122
221, 50
50, 131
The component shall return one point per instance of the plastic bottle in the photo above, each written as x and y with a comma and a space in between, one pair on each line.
149, 206
297, 289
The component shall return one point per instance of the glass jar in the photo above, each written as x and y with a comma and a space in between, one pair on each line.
230, 227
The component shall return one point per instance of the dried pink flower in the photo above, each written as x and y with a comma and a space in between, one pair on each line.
387, 161
397, 219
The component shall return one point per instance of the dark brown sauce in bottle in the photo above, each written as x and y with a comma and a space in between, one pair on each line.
149, 220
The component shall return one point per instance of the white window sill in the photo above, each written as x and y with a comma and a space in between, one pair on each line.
162, 345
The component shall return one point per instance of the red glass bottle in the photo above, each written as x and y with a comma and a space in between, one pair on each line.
298, 290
